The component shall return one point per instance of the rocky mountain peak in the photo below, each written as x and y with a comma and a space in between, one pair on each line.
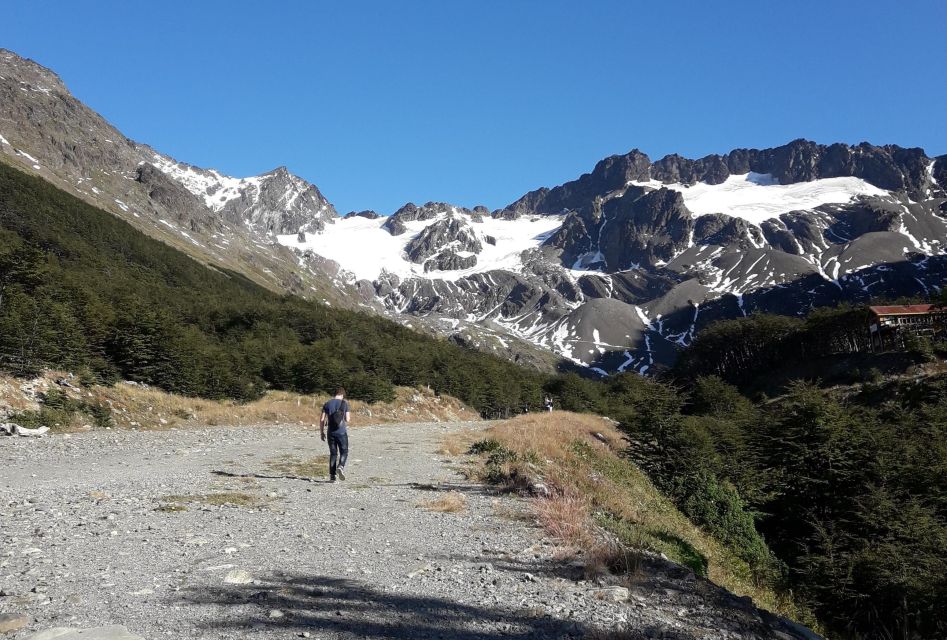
31, 75
367, 214
410, 212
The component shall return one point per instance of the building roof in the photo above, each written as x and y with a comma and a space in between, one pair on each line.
902, 309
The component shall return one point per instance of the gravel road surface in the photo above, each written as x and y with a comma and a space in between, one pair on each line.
218, 533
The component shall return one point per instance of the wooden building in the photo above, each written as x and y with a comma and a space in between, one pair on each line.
889, 323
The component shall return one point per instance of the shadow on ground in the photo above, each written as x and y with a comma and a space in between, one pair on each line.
459, 487
348, 608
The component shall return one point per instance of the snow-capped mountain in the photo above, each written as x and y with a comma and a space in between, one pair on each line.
218, 219
614, 271
620, 268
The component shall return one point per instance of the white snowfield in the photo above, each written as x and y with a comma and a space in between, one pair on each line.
362, 247
757, 197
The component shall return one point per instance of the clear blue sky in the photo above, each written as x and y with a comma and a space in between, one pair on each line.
480, 101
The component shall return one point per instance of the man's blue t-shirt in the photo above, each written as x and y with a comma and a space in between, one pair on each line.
331, 407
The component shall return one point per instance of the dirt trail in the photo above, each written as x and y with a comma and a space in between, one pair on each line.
126, 528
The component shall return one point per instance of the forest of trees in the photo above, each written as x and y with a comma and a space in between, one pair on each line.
848, 490
837, 494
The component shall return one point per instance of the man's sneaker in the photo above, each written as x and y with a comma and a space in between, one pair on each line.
341, 473
331, 479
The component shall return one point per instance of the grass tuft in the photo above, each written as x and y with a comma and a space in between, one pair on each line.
317, 467
450, 502
232, 498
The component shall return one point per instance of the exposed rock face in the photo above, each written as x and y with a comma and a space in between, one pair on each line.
448, 260
451, 232
644, 230
888, 167
410, 212
280, 203
170, 196
610, 174
368, 214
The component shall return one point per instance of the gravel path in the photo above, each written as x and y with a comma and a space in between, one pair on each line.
115, 527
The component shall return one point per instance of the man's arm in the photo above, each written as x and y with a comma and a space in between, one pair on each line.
322, 424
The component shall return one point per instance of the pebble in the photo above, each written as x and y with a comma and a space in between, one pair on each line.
238, 576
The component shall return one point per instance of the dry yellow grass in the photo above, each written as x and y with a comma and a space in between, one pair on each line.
601, 505
139, 407
450, 502
154, 409
459, 442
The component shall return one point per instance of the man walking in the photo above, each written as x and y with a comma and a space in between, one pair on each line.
336, 415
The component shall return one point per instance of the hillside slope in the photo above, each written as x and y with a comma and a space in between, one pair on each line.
83, 290
217, 219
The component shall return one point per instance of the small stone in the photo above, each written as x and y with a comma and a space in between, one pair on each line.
238, 576
275, 614
613, 594
10, 622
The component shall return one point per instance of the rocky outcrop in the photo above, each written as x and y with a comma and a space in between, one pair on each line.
451, 232
611, 174
718, 229
182, 205
410, 212
644, 230
448, 260
280, 203
367, 214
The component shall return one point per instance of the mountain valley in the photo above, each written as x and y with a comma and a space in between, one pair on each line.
612, 272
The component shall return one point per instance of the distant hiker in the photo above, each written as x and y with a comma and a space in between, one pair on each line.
548, 403
336, 414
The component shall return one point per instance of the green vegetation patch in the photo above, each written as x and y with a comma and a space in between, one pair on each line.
59, 412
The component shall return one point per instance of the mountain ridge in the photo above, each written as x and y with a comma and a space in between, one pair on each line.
612, 271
